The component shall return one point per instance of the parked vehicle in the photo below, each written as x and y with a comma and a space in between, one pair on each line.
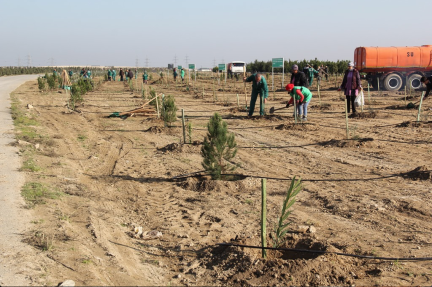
236, 67
394, 67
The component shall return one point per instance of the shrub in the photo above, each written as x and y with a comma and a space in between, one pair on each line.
169, 110
75, 96
41, 83
219, 147
51, 80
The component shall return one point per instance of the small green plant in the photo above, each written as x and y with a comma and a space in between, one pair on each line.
36, 193
30, 165
43, 242
189, 132
41, 84
219, 148
82, 137
169, 110
282, 227
86, 261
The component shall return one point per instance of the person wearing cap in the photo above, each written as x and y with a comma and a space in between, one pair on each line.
302, 97
259, 86
428, 83
298, 78
351, 85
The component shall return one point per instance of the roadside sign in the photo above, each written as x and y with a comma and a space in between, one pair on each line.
222, 67
170, 66
179, 67
277, 62
191, 66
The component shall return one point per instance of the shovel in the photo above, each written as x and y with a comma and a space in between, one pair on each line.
272, 109
411, 105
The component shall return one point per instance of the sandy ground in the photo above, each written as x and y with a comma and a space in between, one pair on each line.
360, 196
13, 216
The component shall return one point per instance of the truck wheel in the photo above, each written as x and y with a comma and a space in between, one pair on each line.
393, 82
414, 82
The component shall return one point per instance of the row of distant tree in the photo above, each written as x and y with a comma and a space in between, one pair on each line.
260, 66
8, 71
266, 66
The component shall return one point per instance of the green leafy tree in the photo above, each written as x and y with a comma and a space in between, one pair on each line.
219, 147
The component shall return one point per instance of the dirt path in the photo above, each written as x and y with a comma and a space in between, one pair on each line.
14, 219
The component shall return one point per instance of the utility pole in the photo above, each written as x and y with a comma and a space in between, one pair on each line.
214, 62
147, 62
19, 62
186, 59
137, 63
175, 61
28, 60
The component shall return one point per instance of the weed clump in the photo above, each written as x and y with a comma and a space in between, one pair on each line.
219, 148
36, 193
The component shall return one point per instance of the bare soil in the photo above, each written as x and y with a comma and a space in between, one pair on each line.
366, 195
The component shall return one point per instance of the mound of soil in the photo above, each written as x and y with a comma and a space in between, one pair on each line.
408, 124
205, 184
364, 115
397, 107
363, 142
172, 147
322, 107
237, 110
179, 148
296, 127
419, 173
245, 267
155, 130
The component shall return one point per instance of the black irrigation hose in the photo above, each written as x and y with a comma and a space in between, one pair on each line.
329, 252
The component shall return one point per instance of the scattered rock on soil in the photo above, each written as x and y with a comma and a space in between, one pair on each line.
69, 283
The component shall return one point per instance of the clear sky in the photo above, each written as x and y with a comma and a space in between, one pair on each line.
107, 32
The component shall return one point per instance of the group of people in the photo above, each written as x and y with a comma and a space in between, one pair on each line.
299, 92
175, 74
128, 74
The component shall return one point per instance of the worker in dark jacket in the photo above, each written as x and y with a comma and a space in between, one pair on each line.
298, 78
259, 86
130, 74
351, 85
121, 73
428, 83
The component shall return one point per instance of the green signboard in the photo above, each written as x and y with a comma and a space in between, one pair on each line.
222, 67
179, 67
277, 62
191, 66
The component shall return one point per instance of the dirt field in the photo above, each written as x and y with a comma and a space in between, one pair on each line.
104, 176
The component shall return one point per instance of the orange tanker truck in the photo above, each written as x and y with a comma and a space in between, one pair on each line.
394, 67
